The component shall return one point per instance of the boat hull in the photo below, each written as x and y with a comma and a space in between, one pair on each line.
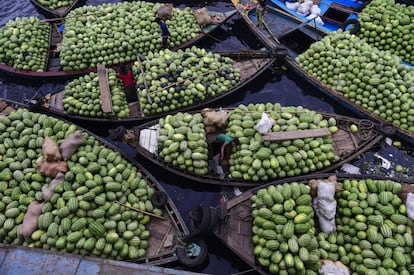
54, 69
56, 13
270, 37
345, 144
250, 68
165, 232
234, 228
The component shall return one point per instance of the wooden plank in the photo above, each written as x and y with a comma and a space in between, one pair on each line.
104, 89
296, 134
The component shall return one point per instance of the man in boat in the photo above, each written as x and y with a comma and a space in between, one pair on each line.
129, 83
260, 10
227, 144
165, 33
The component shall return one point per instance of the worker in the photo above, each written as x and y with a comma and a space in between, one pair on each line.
227, 145
129, 83
165, 33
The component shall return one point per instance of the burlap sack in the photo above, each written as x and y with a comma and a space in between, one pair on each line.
164, 12
405, 190
209, 129
218, 119
51, 168
71, 144
51, 150
202, 17
314, 185
29, 224
48, 192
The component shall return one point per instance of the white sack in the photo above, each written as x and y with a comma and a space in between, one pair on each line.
305, 7
333, 268
315, 10
292, 6
265, 124
410, 205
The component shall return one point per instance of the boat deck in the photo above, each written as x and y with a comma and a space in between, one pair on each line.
248, 68
235, 229
53, 60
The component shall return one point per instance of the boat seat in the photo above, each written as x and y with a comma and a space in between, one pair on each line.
54, 64
342, 7
296, 28
134, 109
337, 13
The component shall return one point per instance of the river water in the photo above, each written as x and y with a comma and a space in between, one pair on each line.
275, 85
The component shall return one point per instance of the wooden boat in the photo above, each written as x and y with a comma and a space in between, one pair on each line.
250, 63
347, 146
16, 259
231, 222
53, 68
56, 13
168, 230
333, 13
281, 28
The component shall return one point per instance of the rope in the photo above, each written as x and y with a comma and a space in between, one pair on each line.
243, 214
365, 128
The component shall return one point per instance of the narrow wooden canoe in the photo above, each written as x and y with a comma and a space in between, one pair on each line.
347, 146
166, 242
251, 65
54, 70
234, 217
56, 13
284, 29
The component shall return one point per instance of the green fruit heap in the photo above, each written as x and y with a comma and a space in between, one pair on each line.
55, 4
82, 96
283, 229
24, 44
389, 26
116, 33
81, 216
261, 161
374, 234
179, 79
182, 142
375, 80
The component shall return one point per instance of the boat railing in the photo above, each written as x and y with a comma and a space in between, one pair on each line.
278, 51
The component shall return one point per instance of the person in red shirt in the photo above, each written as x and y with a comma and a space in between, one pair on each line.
129, 83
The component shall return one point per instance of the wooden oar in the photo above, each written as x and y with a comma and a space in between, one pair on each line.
141, 211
